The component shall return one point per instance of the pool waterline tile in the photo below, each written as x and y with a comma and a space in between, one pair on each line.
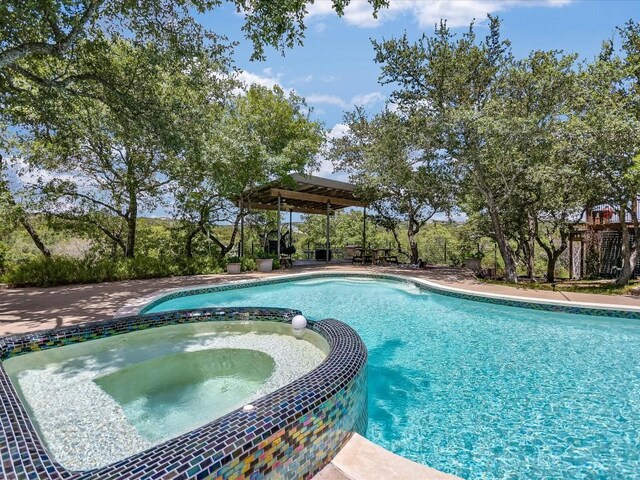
520, 302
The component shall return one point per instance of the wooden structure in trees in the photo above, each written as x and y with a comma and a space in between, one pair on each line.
307, 194
602, 220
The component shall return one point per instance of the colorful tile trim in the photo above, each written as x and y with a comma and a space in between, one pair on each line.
291, 433
606, 312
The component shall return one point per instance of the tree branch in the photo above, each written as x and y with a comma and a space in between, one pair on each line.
12, 55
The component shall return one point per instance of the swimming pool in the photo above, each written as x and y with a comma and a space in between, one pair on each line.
477, 389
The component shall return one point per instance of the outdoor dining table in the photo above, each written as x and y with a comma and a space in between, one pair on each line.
378, 254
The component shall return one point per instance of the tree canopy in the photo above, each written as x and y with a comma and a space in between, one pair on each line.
394, 162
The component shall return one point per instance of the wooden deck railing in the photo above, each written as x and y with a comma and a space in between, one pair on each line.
607, 214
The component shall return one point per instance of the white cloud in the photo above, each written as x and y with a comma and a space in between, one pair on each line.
427, 12
339, 130
320, 27
268, 80
368, 99
304, 79
28, 175
328, 99
365, 99
325, 167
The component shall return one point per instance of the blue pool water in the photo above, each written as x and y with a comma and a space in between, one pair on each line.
481, 390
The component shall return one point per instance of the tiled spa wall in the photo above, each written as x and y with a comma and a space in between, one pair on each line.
291, 433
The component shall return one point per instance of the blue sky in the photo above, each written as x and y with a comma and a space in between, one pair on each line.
334, 69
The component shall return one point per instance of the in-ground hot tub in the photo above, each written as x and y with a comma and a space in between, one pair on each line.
118, 397
98, 402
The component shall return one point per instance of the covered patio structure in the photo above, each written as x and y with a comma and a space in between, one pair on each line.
302, 194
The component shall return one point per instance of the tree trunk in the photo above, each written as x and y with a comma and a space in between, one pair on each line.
528, 252
551, 265
629, 250
508, 256
396, 238
531, 247
510, 270
24, 221
188, 247
132, 223
224, 249
413, 244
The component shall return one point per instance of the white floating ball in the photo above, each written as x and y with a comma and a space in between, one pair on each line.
299, 322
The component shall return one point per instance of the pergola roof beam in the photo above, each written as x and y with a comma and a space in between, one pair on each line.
284, 206
312, 197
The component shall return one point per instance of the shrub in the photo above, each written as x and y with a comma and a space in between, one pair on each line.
48, 272
248, 264
3, 256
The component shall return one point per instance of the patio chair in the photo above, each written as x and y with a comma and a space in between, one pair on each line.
361, 257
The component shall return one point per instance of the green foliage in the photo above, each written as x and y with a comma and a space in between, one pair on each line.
499, 119
120, 112
392, 158
233, 259
263, 135
109, 153
48, 272
4, 249
263, 255
248, 264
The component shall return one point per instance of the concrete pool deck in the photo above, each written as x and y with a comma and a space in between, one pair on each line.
32, 309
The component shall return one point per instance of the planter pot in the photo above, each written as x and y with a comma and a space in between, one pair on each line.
265, 264
233, 268
472, 263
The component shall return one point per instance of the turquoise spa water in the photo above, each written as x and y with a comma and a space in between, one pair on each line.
97, 402
481, 390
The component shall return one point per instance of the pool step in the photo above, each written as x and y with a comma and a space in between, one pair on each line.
361, 459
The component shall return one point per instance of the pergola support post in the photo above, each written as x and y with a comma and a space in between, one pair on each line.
570, 256
581, 259
279, 227
241, 249
364, 229
326, 256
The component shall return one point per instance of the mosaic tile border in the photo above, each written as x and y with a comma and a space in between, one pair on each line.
579, 309
291, 433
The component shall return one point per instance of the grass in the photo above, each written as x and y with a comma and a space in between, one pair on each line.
602, 287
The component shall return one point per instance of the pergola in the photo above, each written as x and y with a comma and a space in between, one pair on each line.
302, 194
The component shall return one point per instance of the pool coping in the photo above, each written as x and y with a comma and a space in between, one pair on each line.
585, 308
362, 459
294, 431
